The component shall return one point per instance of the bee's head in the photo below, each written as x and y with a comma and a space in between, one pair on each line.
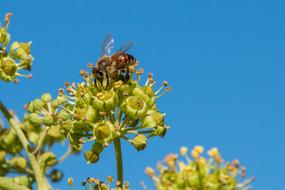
102, 62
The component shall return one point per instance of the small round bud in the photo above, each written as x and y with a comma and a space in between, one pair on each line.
54, 132
48, 120
160, 130
8, 66
56, 175
38, 105
104, 132
153, 119
140, 142
46, 97
35, 119
18, 163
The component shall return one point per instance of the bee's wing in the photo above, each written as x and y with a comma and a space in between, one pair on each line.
108, 45
122, 50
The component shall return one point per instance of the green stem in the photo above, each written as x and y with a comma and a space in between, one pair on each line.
8, 184
119, 161
38, 172
42, 136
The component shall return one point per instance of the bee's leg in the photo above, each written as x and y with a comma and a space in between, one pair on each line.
127, 75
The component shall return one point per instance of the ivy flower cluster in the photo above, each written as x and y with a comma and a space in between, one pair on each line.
41, 125
101, 113
92, 183
17, 58
199, 172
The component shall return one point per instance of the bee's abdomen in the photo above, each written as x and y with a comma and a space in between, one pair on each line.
125, 60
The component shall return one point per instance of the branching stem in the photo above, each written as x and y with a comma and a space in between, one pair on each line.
38, 172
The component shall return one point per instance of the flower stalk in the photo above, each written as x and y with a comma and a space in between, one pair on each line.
119, 161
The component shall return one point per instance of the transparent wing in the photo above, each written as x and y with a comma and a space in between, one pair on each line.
108, 45
122, 50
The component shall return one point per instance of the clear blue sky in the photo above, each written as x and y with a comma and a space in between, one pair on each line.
224, 59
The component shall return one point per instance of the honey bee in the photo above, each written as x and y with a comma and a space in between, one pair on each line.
116, 66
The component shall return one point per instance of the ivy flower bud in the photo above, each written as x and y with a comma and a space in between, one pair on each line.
159, 131
140, 142
105, 101
48, 120
8, 138
38, 105
33, 137
54, 132
103, 132
55, 175
134, 106
21, 50
48, 159
46, 97
153, 119
18, 163
35, 119
4, 37
58, 101
8, 66
91, 114
8, 69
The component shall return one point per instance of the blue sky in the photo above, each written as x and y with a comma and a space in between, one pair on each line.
223, 58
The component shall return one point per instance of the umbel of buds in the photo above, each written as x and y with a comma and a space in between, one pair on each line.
100, 112
17, 58
199, 172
